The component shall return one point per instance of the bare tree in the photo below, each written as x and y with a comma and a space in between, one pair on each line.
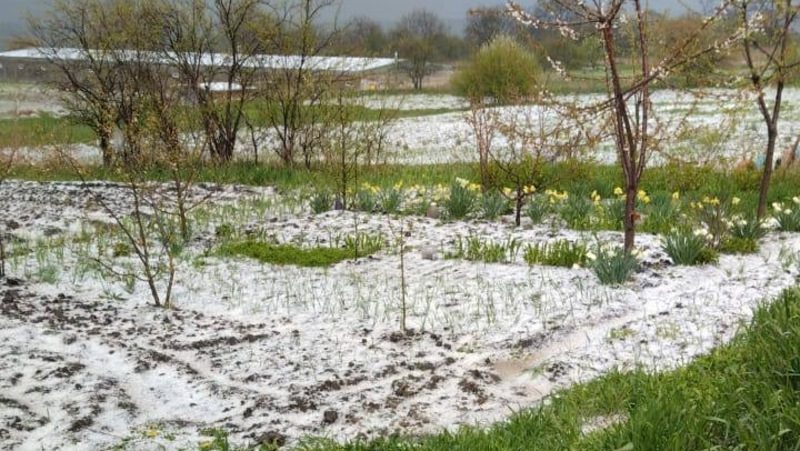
767, 45
486, 23
629, 99
214, 50
363, 37
295, 91
417, 38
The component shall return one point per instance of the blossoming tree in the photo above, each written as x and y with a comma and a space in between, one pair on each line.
635, 133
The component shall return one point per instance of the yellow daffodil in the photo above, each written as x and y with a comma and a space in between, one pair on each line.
530, 189
508, 191
676, 195
735, 201
618, 191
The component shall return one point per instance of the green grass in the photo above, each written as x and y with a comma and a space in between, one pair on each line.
43, 130
745, 395
46, 129
283, 254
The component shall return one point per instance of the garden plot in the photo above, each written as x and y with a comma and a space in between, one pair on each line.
278, 353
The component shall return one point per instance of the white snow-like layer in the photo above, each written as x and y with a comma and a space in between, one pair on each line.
716, 126
283, 352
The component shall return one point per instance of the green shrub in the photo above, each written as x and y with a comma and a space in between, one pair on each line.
613, 266
502, 70
687, 248
561, 253
460, 202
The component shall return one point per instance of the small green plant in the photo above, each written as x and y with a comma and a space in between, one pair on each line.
363, 244
689, 248
321, 201
576, 211
788, 218
612, 266
749, 228
391, 200
561, 253
537, 209
739, 245
487, 251
660, 215
366, 201
224, 231
461, 200
493, 204
121, 249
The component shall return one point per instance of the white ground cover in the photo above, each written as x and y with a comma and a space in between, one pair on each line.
280, 353
716, 126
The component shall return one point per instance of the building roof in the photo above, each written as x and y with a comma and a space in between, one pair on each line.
266, 62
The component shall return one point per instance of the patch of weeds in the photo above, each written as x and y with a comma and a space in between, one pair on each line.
121, 249
620, 333
224, 231
560, 253
218, 441
362, 243
48, 274
283, 254
493, 204
737, 245
689, 248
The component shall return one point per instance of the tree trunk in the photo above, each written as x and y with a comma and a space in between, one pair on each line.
2, 258
629, 221
518, 215
772, 139
106, 150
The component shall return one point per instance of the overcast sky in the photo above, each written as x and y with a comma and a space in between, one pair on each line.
453, 12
